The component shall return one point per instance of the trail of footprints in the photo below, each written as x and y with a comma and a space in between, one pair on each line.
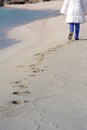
22, 92
35, 69
39, 57
23, 89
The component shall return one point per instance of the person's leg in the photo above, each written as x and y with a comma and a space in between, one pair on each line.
71, 28
77, 29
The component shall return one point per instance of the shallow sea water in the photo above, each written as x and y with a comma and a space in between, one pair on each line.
10, 17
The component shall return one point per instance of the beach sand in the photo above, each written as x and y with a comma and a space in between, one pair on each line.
43, 77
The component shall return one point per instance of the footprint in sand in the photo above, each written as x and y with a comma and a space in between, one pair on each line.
16, 82
32, 65
32, 75
16, 102
55, 126
38, 70
39, 54
21, 86
21, 93
39, 57
51, 50
35, 71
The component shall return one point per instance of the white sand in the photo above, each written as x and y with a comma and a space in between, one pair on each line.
45, 75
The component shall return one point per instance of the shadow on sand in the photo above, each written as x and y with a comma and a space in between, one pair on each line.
84, 39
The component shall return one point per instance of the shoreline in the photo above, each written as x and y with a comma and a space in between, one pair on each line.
38, 14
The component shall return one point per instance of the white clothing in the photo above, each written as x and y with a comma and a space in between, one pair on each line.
74, 10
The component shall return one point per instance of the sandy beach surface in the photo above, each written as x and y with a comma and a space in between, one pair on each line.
43, 77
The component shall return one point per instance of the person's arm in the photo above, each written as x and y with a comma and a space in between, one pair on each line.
85, 6
64, 7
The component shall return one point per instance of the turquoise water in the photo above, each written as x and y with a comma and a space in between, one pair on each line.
14, 17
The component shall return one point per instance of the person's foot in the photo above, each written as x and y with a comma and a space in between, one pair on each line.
76, 38
70, 36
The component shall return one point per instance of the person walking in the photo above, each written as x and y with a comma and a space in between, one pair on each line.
75, 11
